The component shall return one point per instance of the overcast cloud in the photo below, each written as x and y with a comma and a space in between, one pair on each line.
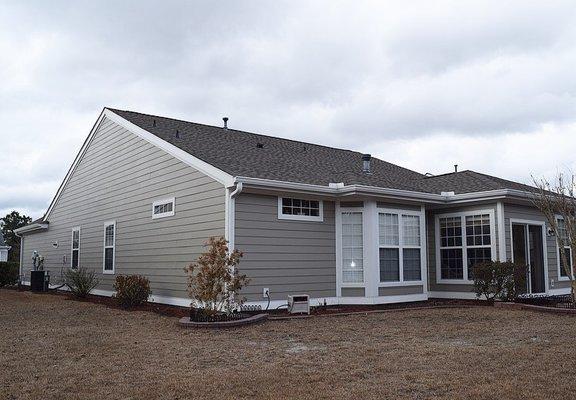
423, 84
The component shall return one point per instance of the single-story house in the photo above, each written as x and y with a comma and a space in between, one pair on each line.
3, 248
145, 192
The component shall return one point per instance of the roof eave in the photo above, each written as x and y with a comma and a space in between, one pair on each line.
31, 228
399, 194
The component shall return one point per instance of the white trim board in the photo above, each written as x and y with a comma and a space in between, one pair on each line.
202, 166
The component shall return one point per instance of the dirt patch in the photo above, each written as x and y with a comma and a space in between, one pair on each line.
53, 348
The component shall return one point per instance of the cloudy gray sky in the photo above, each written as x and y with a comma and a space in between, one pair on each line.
424, 84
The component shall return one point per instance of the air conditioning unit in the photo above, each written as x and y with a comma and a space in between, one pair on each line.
299, 304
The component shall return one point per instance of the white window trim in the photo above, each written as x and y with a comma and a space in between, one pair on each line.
104, 270
75, 229
464, 246
559, 267
340, 278
401, 246
165, 214
319, 218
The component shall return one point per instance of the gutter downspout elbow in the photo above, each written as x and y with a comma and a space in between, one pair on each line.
236, 191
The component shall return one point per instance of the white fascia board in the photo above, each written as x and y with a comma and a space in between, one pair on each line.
338, 190
218, 175
399, 194
30, 228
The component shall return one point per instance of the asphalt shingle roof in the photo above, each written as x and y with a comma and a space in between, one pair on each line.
253, 155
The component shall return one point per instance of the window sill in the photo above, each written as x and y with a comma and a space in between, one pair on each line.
108, 272
352, 285
305, 218
563, 279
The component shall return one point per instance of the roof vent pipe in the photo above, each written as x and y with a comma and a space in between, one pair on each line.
366, 163
455, 167
225, 119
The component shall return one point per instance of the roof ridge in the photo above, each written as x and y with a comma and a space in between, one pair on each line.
265, 136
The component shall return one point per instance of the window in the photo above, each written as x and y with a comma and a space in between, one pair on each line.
75, 255
399, 242
460, 249
352, 248
109, 247
563, 235
163, 208
300, 209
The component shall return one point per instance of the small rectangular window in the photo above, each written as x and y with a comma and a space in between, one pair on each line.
75, 249
109, 247
300, 209
163, 208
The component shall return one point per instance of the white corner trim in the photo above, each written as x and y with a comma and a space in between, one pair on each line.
171, 200
501, 232
311, 218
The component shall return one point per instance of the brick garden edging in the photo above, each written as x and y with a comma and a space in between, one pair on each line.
254, 319
522, 306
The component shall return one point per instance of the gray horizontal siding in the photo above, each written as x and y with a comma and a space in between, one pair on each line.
400, 290
286, 256
118, 178
512, 211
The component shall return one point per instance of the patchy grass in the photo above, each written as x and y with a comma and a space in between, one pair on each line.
53, 348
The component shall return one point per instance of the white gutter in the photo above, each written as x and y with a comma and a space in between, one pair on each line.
348, 190
231, 213
30, 228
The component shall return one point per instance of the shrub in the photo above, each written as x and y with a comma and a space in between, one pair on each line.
131, 290
9, 272
81, 281
214, 280
499, 280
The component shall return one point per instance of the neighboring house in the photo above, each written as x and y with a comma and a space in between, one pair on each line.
145, 192
3, 248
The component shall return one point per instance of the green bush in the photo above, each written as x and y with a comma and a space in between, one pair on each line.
499, 280
80, 281
131, 290
9, 272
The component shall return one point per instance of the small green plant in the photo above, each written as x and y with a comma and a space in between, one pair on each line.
81, 281
131, 290
214, 280
499, 280
9, 272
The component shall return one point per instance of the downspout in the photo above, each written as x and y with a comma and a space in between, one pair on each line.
232, 215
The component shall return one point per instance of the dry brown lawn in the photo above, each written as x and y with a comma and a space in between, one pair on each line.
54, 348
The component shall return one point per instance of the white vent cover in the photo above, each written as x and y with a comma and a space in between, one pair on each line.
299, 304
